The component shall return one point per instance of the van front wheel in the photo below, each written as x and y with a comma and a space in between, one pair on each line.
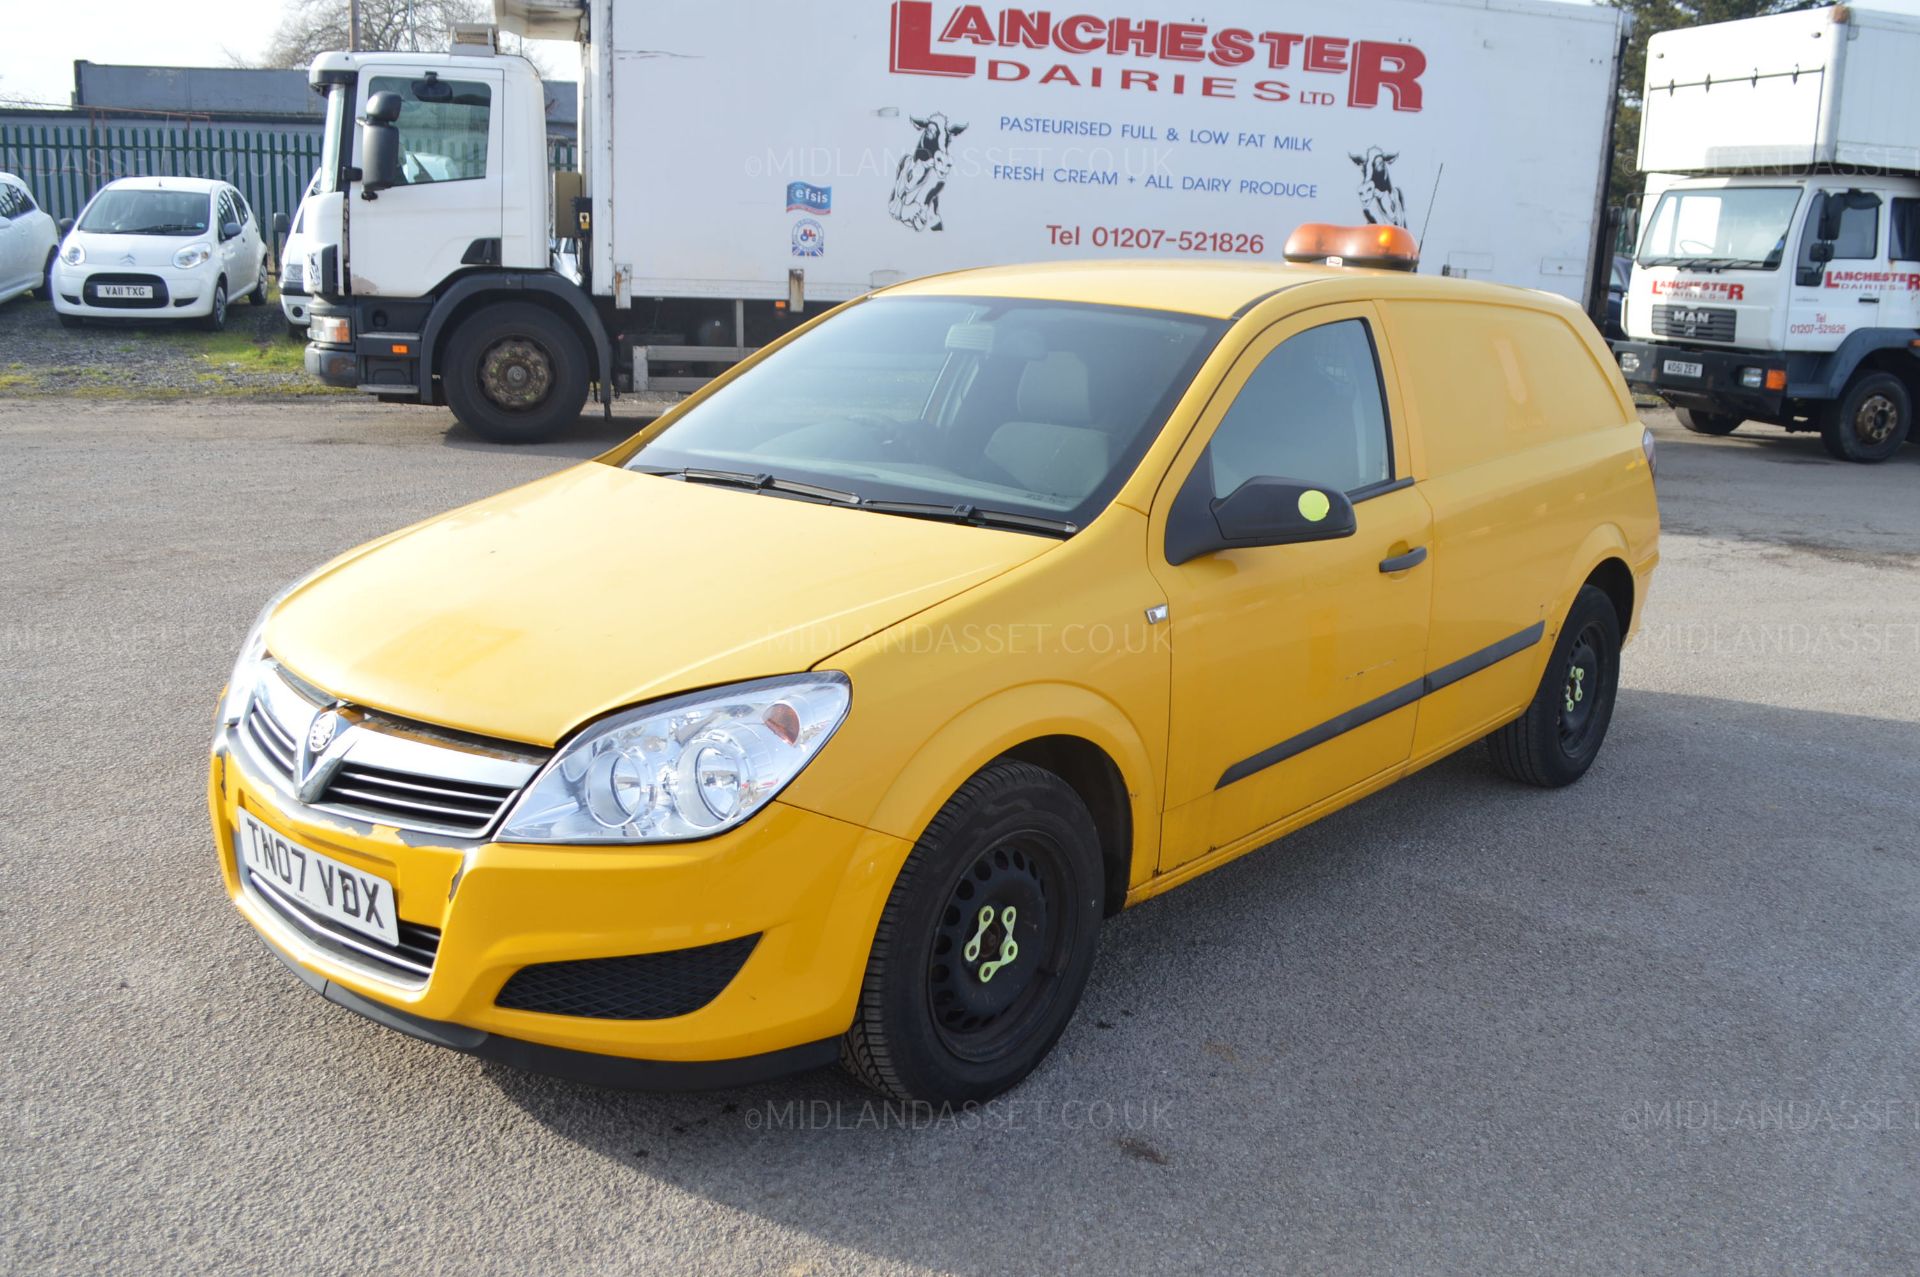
1870, 421
515, 373
985, 943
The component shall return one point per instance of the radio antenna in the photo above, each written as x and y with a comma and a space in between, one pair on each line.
1431, 200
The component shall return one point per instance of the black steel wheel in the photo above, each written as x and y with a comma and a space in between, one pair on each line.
1560, 734
1870, 421
515, 373
216, 319
1708, 423
985, 943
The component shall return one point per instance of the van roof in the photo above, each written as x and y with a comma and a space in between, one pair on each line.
1210, 287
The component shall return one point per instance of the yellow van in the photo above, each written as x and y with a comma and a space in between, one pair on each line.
829, 715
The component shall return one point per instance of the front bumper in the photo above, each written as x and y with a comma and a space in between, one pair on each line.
178, 294
1716, 389
809, 886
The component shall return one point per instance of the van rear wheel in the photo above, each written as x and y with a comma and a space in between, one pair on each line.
515, 373
1559, 736
1870, 421
1708, 423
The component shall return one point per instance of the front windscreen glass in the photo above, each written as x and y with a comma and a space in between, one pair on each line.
132, 212
1741, 227
1031, 408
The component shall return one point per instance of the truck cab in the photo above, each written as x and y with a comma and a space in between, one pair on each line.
1769, 298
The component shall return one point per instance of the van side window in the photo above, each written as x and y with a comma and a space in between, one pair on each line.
1312, 412
10, 202
1906, 230
443, 127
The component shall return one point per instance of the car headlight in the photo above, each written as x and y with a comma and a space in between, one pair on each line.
246, 669
689, 767
192, 255
73, 254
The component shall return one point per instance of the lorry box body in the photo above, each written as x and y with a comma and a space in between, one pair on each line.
1789, 91
743, 165
1777, 276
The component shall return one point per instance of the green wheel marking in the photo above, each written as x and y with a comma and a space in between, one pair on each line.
1008, 949
982, 922
1314, 505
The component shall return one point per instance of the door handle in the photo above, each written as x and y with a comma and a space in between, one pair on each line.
1401, 562
1869, 301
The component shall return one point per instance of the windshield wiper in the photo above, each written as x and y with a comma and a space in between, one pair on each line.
757, 483
974, 516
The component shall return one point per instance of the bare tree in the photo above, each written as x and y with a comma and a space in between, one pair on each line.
313, 27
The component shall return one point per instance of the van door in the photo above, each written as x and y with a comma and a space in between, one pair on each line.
1290, 663
1840, 272
448, 206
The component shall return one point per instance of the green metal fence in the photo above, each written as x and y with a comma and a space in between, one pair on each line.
65, 162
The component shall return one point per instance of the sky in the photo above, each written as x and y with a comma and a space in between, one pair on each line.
42, 41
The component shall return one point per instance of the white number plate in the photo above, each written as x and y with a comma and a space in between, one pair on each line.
143, 291
1681, 368
337, 892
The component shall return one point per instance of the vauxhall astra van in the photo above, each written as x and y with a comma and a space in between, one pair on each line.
829, 715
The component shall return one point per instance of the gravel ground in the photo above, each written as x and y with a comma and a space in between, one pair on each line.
254, 357
1662, 1021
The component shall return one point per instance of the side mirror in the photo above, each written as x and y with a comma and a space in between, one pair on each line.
380, 143
280, 224
1260, 512
65, 227
1820, 251
229, 230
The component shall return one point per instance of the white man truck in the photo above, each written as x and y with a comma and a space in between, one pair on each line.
742, 164
1778, 278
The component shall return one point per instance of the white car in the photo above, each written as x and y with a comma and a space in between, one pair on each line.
161, 248
27, 240
293, 266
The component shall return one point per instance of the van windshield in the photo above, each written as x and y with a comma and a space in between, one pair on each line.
1735, 227
988, 410
130, 212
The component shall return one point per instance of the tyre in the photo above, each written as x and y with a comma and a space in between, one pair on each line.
985, 943
258, 297
45, 291
216, 319
515, 373
1708, 423
1870, 421
1558, 737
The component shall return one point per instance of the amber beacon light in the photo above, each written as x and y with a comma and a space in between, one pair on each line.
1384, 247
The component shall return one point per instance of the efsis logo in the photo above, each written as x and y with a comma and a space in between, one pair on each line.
803, 197
1189, 57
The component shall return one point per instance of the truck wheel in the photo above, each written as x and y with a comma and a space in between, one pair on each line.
1557, 739
985, 943
515, 373
1708, 423
1870, 421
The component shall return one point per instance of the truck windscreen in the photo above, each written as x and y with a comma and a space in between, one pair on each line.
1737, 226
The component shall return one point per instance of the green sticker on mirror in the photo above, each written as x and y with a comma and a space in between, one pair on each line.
1314, 505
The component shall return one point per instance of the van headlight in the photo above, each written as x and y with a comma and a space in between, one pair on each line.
689, 767
192, 255
73, 254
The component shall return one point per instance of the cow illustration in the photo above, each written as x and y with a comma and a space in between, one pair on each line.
1380, 200
923, 174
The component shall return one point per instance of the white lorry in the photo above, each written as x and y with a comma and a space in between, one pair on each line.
1778, 279
740, 164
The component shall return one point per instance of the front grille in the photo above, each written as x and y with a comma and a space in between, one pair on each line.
393, 773
1707, 323
646, 986
91, 291
411, 959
